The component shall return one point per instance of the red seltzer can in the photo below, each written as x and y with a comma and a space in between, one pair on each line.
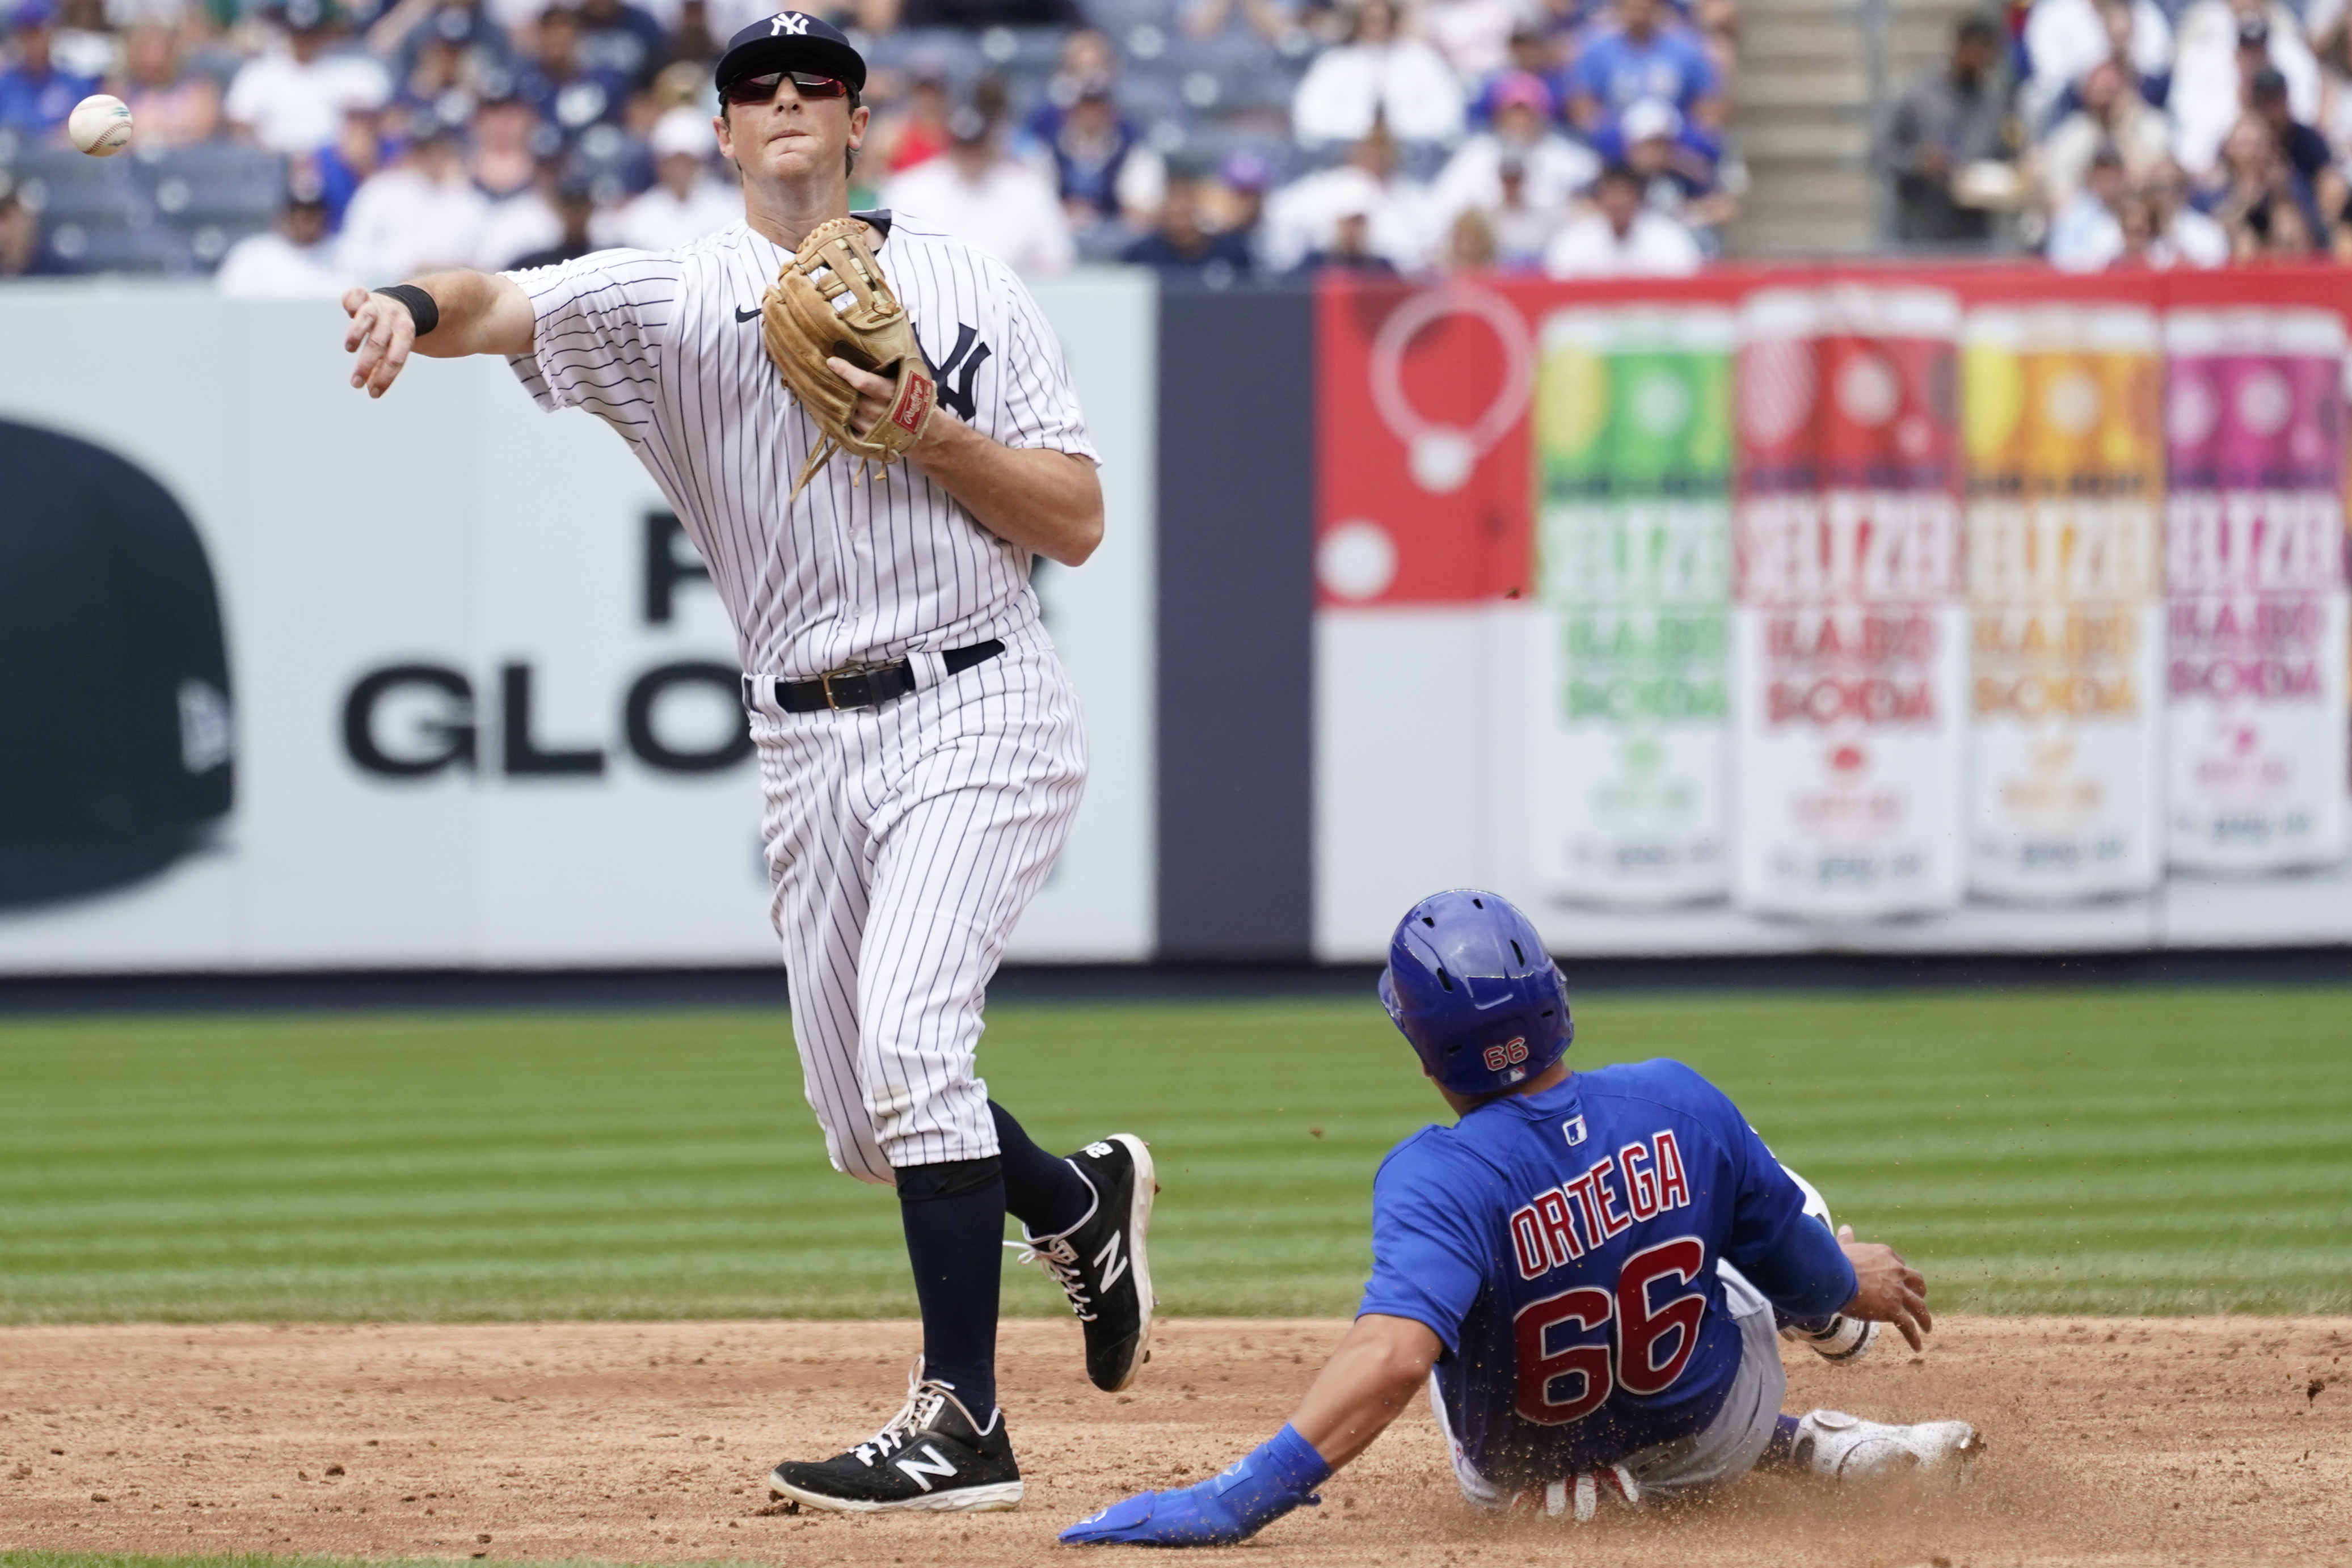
1850, 620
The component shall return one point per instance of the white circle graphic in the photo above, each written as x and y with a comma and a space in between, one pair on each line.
2191, 411
2263, 403
1436, 449
1442, 460
2071, 403
1867, 390
1662, 403
1356, 561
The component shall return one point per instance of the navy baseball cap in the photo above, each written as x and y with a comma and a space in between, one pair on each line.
792, 40
116, 706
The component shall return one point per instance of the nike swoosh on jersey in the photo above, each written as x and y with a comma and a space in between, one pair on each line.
750, 315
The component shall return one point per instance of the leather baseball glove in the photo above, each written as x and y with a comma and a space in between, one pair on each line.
831, 299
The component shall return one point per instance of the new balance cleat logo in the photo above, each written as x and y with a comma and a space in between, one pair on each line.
1104, 1260
940, 1466
1100, 1261
936, 1460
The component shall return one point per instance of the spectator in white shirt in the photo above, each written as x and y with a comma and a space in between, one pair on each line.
523, 222
983, 198
1622, 236
292, 99
295, 260
686, 202
2065, 38
2183, 236
1474, 35
2222, 43
1377, 75
1522, 230
2113, 115
1554, 168
1303, 218
420, 213
2085, 235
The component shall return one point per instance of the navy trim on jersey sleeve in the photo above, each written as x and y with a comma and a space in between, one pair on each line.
1429, 1239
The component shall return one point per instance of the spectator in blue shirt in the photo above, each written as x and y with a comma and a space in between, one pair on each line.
1646, 55
618, 37
561, 87
1181, 246
36, 96
1092, 145
1677, 174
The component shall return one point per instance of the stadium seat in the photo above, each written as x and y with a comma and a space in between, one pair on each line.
217, 183
145, 248
65, 186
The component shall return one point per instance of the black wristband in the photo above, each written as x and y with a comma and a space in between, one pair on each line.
420, 304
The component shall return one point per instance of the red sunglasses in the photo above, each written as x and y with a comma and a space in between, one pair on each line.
762, 88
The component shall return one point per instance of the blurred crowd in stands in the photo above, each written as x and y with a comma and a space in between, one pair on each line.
2132, 134
293, 147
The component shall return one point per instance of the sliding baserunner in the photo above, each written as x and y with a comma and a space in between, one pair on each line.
1586, 1270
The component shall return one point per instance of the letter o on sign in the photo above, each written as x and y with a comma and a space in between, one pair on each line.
660, 681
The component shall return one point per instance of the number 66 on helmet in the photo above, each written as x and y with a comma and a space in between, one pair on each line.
1469, 984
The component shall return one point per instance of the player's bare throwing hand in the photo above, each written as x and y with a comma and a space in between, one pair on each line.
919, 744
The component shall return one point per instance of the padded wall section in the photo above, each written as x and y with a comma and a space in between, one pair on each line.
1236, 605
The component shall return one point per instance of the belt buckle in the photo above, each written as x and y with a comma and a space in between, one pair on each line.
859, 671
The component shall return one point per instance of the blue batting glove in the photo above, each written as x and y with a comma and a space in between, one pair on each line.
1193, 1517
1258, 1489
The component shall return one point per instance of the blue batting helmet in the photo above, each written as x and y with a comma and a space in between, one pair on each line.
1469, 984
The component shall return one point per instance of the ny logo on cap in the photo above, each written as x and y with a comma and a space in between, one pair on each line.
791, 22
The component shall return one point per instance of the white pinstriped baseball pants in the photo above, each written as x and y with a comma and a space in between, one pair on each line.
904, 842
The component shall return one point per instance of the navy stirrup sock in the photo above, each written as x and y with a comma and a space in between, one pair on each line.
954, 1217
1044, 1192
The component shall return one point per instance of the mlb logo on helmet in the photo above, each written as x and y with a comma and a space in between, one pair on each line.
1509, 1054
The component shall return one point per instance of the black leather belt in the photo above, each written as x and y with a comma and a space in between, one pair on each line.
865, 685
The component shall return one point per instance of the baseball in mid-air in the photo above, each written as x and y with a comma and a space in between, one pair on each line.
101, 125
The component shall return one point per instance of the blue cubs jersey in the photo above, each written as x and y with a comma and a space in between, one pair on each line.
1563, 1246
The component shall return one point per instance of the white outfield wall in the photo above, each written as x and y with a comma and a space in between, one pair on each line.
1450, 798
453, 524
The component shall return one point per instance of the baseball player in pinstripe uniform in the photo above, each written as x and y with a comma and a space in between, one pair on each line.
920, 743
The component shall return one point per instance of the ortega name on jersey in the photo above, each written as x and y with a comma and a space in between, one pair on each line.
1563, 1247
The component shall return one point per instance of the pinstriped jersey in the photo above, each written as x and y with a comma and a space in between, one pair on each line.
666, 347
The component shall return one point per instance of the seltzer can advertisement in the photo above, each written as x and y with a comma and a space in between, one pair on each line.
1634, 437
2065, 600
1850, 620
2255, 572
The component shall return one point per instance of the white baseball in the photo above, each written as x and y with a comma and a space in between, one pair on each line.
101, 125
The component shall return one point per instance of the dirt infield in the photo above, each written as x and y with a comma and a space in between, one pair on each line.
2116, 1442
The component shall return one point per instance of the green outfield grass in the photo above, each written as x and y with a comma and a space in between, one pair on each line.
2124, 1151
